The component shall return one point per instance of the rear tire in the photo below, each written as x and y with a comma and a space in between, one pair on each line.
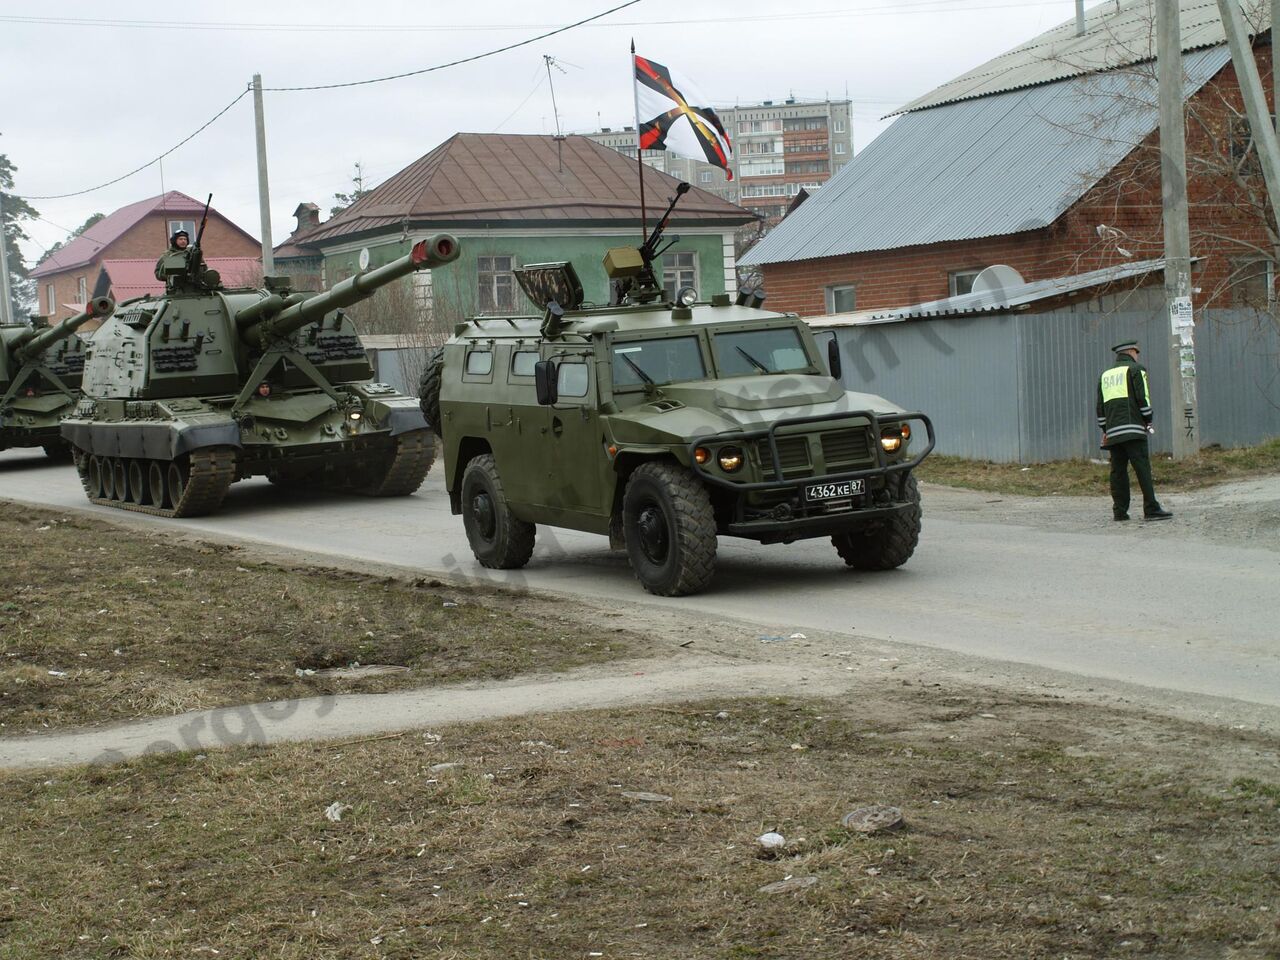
429, 391
498, 539
888, 545
670, 530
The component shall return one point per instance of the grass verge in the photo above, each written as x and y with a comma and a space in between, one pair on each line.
100, 622
1017, 842
1084, 478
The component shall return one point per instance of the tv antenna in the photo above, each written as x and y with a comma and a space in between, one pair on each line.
552, 62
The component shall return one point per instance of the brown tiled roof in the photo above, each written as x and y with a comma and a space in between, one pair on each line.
513, 179
86, 247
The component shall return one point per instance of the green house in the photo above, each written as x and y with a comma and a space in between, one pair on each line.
512, 200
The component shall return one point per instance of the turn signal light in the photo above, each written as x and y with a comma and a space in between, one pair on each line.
701, 454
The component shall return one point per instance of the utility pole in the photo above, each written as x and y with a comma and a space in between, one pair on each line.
6, 301
264, 192
1079, 18
1180, 344
1255, 98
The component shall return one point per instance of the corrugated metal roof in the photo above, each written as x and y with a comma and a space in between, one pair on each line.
991, 301
518, 178
1112, 38
996, 165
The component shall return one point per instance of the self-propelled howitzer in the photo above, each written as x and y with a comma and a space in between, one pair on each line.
40, 367
186, 393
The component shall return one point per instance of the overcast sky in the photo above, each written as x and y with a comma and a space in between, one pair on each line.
87, 102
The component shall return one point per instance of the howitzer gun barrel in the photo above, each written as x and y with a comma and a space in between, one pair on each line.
274, 317
35, 342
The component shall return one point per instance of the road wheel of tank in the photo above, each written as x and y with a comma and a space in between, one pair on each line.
109, 478
155, 484
120, 473
670, 530
429, 390
498, 539
888, 545
410, 462
93, 477
138, 481
58, 451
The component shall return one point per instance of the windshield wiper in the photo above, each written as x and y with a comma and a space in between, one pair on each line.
753, 361
636, 367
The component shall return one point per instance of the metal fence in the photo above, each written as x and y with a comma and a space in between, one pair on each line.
1020, 388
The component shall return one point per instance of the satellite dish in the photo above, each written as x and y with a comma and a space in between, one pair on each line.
364, 258
996, 278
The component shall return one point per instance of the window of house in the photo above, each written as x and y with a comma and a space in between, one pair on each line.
497, 284
1241, 148
704, 176
82, 290
422, 292
839, 126
51, 301
1253, 283
839, 147
187, 225
961, 281
841, 298
678, 270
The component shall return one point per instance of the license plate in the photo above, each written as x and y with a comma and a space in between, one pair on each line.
833, 491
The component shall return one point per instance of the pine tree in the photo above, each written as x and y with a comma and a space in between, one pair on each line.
22, 289
357, 191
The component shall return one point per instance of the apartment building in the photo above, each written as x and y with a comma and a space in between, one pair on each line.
779, 148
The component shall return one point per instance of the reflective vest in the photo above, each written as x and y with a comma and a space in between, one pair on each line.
1124, 401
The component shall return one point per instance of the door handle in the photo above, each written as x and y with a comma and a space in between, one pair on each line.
557, 427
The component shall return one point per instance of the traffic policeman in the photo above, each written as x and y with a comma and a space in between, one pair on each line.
1124, 417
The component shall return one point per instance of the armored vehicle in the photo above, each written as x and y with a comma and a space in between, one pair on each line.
665, 424
190, 391
40, 368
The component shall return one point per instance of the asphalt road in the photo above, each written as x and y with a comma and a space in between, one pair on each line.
1050, 583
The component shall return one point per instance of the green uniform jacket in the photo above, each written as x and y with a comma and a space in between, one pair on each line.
1124, 401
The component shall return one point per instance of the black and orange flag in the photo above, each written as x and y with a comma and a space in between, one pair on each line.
670, 115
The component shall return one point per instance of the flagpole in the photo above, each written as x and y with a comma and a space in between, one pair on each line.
635, 91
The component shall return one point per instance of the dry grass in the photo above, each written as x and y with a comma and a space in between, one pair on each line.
1016, 844
102, 623
1084, 478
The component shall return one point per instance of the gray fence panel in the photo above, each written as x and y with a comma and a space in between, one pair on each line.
389, 367
1238, 378
958, 371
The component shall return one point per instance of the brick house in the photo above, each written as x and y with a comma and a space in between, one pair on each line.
1045, 159
140, 231
514, 199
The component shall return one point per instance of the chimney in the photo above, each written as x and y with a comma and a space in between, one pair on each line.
308, 215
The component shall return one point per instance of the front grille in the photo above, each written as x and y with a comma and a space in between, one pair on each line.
846, 446
793, 454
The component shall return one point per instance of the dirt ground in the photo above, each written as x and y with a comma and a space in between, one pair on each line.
1034, 827
99, 623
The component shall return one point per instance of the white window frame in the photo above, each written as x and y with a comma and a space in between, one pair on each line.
679, 269
52, 298
839, 148
187, 225
82, 290
839, 125
704, 176
838, 288
499, 280
956, 276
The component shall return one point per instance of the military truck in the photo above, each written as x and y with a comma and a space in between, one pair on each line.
188, 392
40, 368
665, 424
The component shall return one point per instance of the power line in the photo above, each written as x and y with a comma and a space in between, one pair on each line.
152, 162
454, 63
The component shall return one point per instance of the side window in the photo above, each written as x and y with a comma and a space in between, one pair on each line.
572, 379
479, 365
678, 270
497, 284
841, 298
522, 362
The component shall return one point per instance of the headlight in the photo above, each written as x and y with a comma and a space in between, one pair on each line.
730, 459
354, 415
686, 297
892, 438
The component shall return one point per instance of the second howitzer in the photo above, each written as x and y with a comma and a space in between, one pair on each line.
186, 393
40, 368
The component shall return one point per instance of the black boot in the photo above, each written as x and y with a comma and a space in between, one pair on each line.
1159, 513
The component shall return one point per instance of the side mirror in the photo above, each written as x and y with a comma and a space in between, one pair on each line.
544, 382
833, 357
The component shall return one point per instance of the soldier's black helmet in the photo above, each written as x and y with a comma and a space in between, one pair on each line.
173, 241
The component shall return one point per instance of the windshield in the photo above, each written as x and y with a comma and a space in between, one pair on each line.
664, 360
743, 352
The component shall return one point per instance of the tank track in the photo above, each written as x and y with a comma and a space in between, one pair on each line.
211, 473
414, 454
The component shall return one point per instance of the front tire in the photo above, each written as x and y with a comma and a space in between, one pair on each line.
429, 390
889, 544
498, 539
670, 530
